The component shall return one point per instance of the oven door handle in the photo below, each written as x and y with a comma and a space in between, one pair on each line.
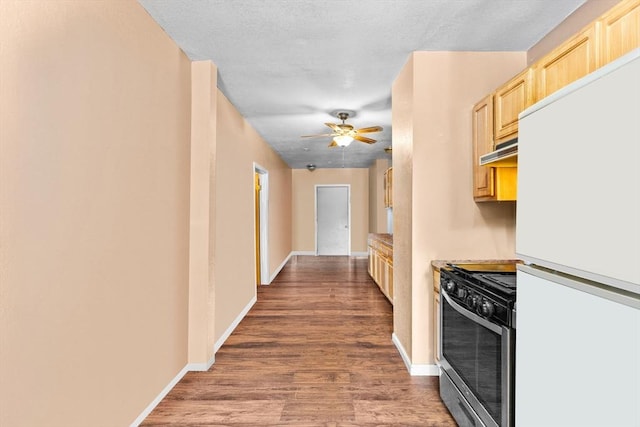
471, 315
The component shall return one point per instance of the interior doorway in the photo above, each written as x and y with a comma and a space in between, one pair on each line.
333, 220
261, 206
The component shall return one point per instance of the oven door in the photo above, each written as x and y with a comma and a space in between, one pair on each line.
478, 358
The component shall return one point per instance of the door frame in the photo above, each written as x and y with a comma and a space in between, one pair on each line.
264, 223
315, 211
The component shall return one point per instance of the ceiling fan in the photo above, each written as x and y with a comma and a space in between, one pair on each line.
343, 134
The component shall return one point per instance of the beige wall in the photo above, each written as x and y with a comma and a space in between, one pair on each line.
280, 207
238, 147
204, 93
94, 186
402, 100
94, 189
377, 211
304, 183
434, 212
584, 15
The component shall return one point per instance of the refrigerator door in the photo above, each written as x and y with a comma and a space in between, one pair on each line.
577, 354
579, 178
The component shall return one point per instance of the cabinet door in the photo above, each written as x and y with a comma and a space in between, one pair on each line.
377, 268
436, 314
373, 262
509, 101
388, 188
570, 61
381, 273
385, 184
620, 30
390, 282
483, 176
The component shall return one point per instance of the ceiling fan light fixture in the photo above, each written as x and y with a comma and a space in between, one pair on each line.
343, 140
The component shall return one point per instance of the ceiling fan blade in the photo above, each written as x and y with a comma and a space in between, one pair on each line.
333, 143
317, 136
364, 139
370, 129
334, 126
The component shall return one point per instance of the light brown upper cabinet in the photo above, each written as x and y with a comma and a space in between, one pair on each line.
610, 36
388, 188
489, 183
570, 61
482, 144
510, 100
620, 30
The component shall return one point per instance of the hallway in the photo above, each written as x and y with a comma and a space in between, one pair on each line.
315, 350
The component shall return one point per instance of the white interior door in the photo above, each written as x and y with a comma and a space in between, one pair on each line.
263, 236
332, 220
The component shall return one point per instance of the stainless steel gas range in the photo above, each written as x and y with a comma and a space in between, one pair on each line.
477, 327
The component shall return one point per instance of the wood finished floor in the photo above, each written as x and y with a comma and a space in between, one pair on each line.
315, 350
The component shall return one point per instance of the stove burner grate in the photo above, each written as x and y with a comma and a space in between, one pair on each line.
506, 280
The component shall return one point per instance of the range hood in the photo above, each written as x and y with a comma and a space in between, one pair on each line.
505, 155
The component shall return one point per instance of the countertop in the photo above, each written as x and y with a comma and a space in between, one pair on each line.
382, 237
507, 263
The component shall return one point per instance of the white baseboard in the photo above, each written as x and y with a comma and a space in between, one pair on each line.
280, 267
424, 370
234, 324
414, 369
194, 366
401, 350
189, 367
312, 253
202, 367
160, 396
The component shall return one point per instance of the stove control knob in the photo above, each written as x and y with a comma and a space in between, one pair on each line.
462, 293
470, 301
488, 308
451, 286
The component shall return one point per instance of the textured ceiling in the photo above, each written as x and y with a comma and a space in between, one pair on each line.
287, 64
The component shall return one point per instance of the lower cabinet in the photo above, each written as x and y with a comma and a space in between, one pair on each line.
436, 314
385, 278
381, 266
489, 183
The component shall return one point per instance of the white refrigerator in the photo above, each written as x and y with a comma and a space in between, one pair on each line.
578, 232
